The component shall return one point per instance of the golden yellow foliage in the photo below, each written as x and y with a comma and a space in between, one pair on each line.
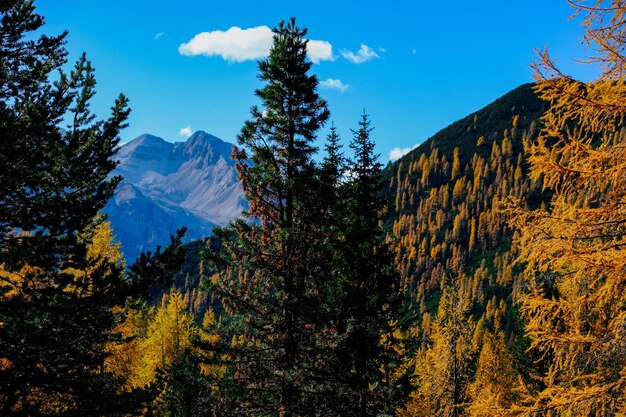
103, 253
125, 355
209, 337
574, 248
169, 333
395, 340
493, 390
16, 281
441, 368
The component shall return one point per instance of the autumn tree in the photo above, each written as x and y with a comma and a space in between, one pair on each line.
166, 357
125, 354
493, 389
169, 333
574, 247
102, 249
442, 368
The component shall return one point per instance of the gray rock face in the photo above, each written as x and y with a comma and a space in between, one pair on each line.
169, 185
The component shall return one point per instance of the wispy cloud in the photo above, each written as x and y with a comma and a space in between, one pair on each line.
397, 153
158, 35
239, 45
364, 54
334, 84
185, 132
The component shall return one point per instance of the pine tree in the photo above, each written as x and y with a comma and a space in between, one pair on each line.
371, 302
62, 278
270, 290
574, 247
331, 202
334, 164
53, 183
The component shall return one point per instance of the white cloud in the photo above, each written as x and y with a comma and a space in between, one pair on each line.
320, 51
364, 54
382, 50
158, 35
397, 153
334, 84
185, 132
238, 45
234, 45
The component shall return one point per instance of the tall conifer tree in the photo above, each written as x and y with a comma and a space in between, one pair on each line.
270, 288
371, 299
52, 184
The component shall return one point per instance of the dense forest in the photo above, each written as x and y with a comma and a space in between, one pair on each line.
482, 274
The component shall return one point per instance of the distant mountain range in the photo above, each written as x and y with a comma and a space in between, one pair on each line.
169, 185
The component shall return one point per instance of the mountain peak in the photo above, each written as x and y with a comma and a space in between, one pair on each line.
521, 103
206, 145
146, 139
202, 136
143, 143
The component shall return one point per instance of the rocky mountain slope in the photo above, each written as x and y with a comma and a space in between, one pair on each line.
169, 185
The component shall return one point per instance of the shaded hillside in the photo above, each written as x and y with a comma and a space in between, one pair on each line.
488, 123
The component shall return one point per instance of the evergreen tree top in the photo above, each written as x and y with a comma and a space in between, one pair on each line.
293, 111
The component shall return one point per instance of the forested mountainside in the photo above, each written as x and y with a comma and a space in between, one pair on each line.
443, 197
443, 218
443, 222
451, 241
476, 132
452, 245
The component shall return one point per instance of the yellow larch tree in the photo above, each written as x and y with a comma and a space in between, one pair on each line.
211, 366
441, 369
170, 333
103, 253
573, 249
494, 387
125, 354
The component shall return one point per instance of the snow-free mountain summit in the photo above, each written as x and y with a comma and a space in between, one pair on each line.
169, 185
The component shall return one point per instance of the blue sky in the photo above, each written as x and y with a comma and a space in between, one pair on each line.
425, 63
